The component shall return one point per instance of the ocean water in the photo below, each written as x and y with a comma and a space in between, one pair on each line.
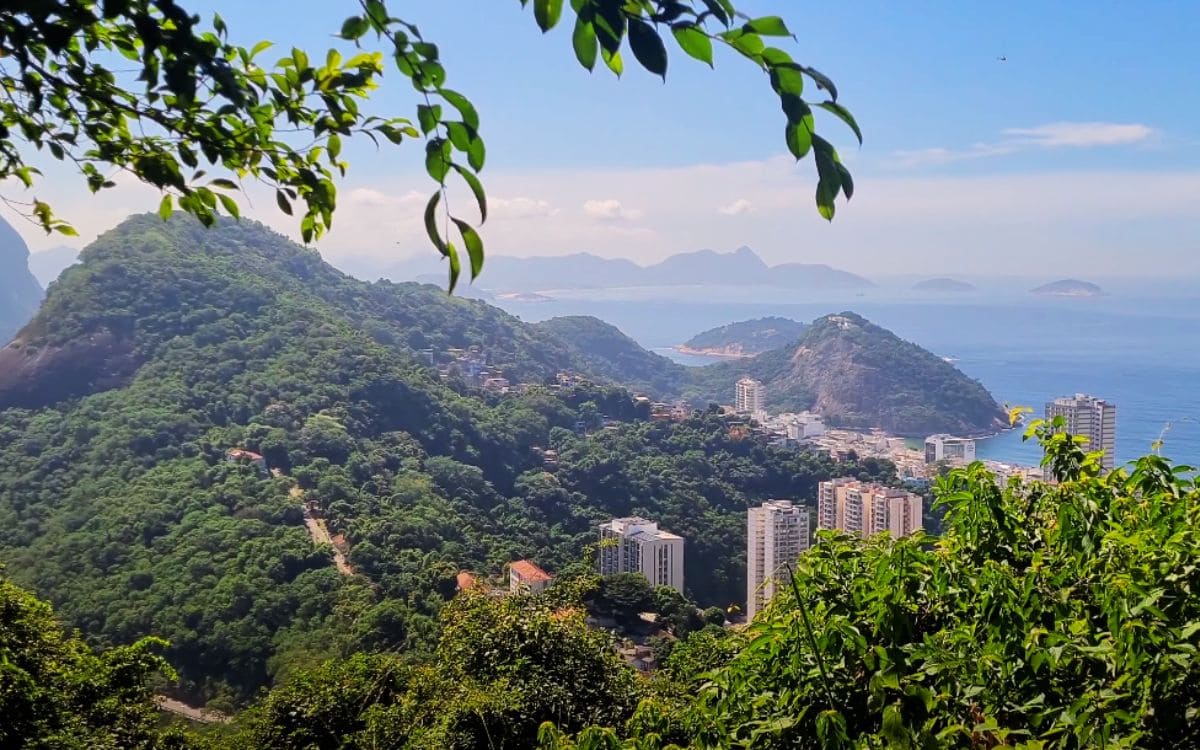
1139, 346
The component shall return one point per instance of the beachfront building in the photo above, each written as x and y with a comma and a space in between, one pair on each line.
1092, 418
776, 534
944, 447
635, 545
865, 509
748, 396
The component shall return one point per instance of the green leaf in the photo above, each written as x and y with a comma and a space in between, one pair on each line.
66, 229
799, 139
693, 42
264, 44
609, 23
767, 26
893, 727
719, 9
354, 27
823, 81
437, 159
431, 222
787, 79
474, 246
547, 13
613, 61
844, 115
231, 206
648, 47
455, 265
584, 42
476, 190
476, 153
164, 208
466, 110
428, 117
282, 201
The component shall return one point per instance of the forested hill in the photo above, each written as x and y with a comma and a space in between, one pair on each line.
861, 375
169, 346
746, 337
19, 290
145, 283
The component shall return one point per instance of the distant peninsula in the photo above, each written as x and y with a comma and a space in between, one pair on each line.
943, 285
1068, 288
745, 338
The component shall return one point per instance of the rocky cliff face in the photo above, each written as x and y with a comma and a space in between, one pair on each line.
19, 291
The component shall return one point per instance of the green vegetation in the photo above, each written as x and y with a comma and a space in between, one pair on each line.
747, 337
602, 350
203, 114
120, 506
56, 693
860, 376
1046, 616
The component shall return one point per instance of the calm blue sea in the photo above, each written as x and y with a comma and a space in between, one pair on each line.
1139, 346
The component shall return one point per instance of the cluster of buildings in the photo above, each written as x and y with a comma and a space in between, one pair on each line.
866, 509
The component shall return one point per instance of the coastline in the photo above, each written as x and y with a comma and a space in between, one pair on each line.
723, 354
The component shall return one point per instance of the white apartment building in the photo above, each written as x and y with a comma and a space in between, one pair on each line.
748, 396
865, 509
639, 546
949, 448
1092, 418
776, 534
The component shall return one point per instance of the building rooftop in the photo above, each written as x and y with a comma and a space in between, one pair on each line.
466, 580
528, 571
242, 453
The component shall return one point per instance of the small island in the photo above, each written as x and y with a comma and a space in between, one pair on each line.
745, 338
1068, 288
943, 285
523, 297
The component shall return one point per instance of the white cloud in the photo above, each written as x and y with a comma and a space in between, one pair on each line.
736, 208
609, 209
1081, 134
1049, 136
520, 208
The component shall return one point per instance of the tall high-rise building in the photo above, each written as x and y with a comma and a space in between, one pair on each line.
865, 509
776, 534
1092, 418
639, 546
748, 396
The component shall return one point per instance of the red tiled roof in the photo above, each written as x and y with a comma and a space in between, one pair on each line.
466, 581
528, 571
240, 453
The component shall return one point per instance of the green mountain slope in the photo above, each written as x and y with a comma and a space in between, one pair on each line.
861, 375
746, 337
602, 350
169, 345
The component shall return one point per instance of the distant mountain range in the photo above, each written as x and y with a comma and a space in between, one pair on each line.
19, 290
742, 267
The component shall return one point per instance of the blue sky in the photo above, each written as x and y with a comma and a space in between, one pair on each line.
1080, 150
